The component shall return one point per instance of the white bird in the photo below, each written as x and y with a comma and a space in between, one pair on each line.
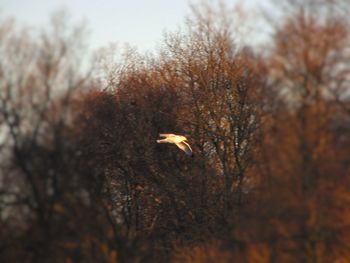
179, 140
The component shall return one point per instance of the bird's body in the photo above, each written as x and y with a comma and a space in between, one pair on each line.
179, 140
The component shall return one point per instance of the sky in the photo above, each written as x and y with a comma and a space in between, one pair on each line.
140, 23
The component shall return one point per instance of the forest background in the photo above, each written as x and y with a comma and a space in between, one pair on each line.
82, 178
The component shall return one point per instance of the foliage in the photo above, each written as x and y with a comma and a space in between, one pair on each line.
83, 180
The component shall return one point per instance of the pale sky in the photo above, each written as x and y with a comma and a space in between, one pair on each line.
140, 23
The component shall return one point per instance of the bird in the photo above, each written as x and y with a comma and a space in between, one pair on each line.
179, 140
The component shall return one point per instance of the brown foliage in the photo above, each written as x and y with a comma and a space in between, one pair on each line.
83, 180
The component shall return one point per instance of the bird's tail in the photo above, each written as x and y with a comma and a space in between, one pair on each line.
161, 141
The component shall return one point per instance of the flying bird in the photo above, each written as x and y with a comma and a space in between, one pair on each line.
179, 140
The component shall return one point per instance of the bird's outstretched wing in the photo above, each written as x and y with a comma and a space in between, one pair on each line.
166, 134
185, 147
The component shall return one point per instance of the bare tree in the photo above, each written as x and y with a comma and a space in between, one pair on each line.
217, 84
39, 76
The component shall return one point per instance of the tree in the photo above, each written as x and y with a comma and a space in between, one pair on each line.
41, 171
217, 83
304, 173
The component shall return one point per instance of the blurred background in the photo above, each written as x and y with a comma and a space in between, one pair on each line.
261, 91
